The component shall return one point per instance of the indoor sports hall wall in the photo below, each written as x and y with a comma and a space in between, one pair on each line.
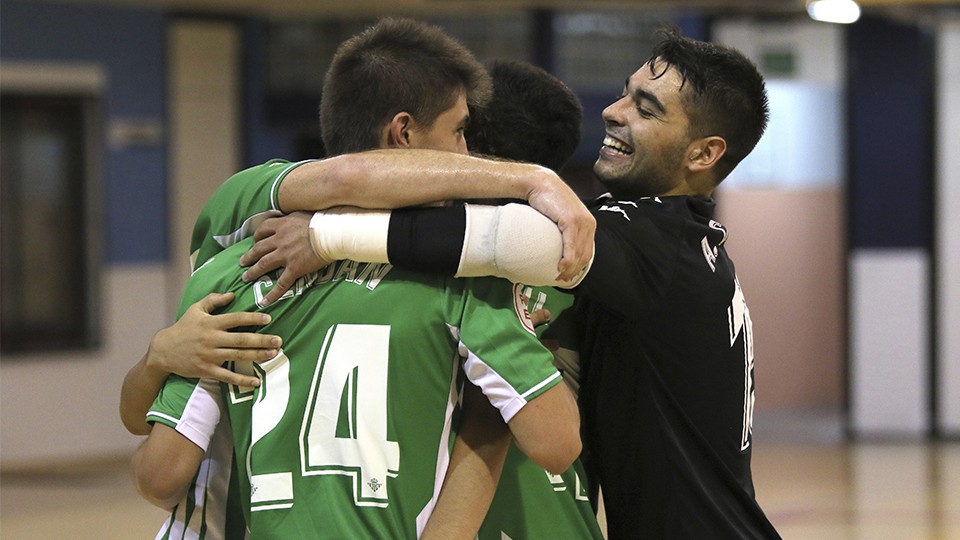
821, 307
63, 406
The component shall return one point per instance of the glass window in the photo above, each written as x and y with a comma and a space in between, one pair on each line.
48, 293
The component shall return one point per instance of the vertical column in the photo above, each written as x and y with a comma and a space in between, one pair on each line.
204, 112
889, 201
948, 229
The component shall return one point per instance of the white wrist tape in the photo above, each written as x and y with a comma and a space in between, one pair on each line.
350, 233
514, 242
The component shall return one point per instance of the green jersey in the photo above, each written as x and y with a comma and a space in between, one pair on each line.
348, 434
238, 206
531, 503
553, 505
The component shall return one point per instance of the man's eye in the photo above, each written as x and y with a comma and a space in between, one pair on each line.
644, 113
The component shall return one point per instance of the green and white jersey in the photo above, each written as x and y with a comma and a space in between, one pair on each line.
210, 511
238, 206
531, 503
553, 505
349, 433
206, 513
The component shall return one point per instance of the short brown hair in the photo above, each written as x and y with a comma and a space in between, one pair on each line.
532, 116
728, 95
393, 66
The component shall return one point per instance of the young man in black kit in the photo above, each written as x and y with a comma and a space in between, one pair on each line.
662, 327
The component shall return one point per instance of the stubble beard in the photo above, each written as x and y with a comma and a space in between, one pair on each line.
632, 184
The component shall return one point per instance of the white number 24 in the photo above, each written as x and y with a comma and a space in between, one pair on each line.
348, 393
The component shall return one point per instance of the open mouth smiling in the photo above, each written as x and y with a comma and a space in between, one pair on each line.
616, 146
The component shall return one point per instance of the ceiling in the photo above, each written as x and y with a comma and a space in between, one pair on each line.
289, 9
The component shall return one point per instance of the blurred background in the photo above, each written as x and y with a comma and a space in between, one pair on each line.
119, 119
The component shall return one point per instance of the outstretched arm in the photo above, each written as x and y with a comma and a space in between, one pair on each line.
512, 241
196, 346
397, 178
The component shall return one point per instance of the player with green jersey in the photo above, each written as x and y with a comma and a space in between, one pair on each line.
355, 415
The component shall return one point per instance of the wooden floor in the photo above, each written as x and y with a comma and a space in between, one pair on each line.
814, 488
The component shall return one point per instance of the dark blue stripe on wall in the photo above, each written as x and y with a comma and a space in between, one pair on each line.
131, 46
266, 136
891, 153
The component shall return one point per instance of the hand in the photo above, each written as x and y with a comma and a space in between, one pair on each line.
540, 316
554, 199
199, 343
282, 242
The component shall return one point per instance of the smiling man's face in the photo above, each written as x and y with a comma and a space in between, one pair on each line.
646, 136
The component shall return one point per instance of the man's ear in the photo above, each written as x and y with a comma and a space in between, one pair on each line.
704, 153
396, 134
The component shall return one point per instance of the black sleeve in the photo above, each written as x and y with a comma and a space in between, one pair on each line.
427, 239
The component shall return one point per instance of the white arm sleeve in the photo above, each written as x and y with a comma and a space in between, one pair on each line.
350, 233
514, 242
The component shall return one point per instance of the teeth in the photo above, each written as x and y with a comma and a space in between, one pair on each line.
616, 145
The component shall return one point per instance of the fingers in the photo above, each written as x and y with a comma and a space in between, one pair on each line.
540, 316
231, 377
577, 248
214, 300
256, 253
265, 229
284, 282
241, 319
260, 268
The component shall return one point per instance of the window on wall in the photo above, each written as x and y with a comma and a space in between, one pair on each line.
622, 40
299, 53
50, 271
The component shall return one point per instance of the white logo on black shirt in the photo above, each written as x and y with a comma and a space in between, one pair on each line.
616, 208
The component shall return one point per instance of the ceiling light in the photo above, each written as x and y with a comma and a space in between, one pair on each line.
833, 11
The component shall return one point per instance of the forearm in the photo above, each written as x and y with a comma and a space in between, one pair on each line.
474, 472
547, 429
513, 241
140, 387
163, 466
396, 178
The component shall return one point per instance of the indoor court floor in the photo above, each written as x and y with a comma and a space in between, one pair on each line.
811, 486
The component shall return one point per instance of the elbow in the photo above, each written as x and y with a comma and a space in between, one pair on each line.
158, 488
161, 477
138, 426
560, 456
555, 451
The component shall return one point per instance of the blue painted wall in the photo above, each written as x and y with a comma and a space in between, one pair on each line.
891, 145
130, 46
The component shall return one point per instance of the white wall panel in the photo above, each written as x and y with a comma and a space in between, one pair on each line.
65, 407
889, 342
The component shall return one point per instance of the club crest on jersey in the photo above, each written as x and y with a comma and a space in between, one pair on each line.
520, 301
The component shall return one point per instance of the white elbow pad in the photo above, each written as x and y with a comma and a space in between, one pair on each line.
512, 241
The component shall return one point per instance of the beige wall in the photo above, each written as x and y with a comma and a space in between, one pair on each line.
788, 246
